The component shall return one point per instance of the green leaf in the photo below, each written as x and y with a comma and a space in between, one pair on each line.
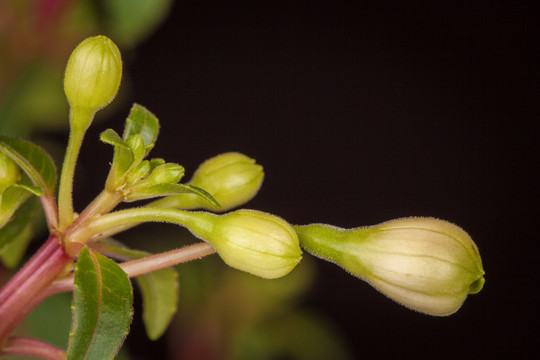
142, 122
168, 190
130, 21
17, 233
111, 137
159, 289
140, 134
35, 162
102, 308
136, 144
10, 200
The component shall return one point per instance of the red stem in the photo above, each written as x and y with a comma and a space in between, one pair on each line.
34, 277
32, 347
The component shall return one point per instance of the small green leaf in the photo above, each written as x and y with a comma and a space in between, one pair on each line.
159, 289
111, 137
136, 144
140, 133
102, 308
168, 190
142, 122
35, 162
17, 233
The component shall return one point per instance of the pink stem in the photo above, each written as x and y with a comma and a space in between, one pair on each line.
141, 266
32, 347
18, 294
31, 266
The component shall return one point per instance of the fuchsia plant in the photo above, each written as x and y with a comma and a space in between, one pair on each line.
426, 264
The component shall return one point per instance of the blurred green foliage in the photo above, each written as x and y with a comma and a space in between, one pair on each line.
36, 38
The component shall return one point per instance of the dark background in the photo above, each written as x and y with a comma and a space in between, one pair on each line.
362, 112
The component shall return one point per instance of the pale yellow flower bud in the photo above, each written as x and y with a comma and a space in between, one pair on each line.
258, 243
93, 74
231, 178
426, 264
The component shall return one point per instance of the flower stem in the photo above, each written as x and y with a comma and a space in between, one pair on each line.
167, 202
200, 220
32, 347
141, 266
36, 275
103, 203
79, 120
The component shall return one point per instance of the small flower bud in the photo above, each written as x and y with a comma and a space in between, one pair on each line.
258, 243
9, 172
231, 178
426, 264
165, 174
139, 172
93, 74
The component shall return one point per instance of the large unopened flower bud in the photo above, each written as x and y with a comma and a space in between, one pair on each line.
93, 74
258, 243
231, 178
426, 264
9, 172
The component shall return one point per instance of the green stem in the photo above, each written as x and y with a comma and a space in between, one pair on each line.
167, 202
79, 120
102, 204
201, 222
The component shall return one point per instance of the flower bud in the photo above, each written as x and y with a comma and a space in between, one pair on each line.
165, 174
9, 172
139, 172
231, 178
426, 264
258, 243
93, 74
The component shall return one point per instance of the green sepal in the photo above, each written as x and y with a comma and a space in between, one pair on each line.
102, 308
17, 233
168, 190
159, 289
34, 161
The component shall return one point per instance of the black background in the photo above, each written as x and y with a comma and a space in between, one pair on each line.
362, 112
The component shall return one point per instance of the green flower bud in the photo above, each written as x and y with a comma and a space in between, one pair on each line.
93, 74
258, 243
426, 264
139, 172
9, 172
163, 174
231, 178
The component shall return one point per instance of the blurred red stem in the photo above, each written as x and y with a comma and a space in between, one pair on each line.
16, 297
32, 347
